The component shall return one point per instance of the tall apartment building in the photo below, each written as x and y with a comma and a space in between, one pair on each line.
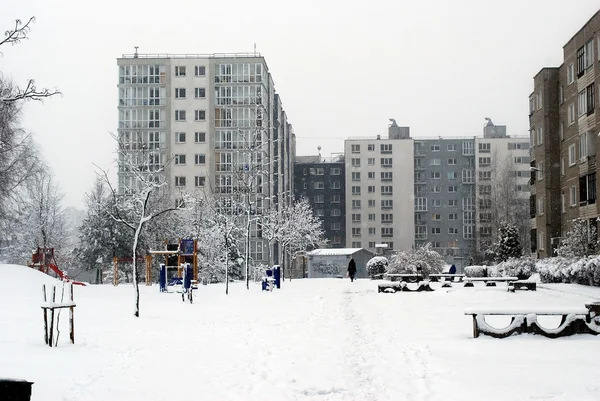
464, 187
379, 183
322, 182
213, 116
564, 129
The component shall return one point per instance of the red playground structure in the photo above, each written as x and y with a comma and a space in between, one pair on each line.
43, 260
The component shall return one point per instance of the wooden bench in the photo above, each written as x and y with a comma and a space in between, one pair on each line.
489, 281
522, 285
403, 286
377, 276
524, 320
412, 277
447, 277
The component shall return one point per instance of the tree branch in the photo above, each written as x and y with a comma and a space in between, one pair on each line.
17, 34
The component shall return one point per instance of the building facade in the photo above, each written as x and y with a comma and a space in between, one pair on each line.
323, 183
564, 131
214, 122
379, 183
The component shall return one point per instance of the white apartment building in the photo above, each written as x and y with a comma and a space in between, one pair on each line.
379, 191
206, 118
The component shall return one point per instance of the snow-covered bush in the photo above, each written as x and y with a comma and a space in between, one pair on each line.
569, 270
424, 260
507, 245
522, 268
377, 265
581, 240
476, 271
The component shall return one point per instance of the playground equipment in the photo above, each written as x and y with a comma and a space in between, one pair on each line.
272, 279
43, 260
185, 282
49, 307
125, 259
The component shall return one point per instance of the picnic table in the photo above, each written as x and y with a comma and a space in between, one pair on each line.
447, 277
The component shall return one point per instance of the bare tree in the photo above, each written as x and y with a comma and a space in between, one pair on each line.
10, 94
143, 195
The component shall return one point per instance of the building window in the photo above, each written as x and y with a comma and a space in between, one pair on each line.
570, 74
387, 204
355, 162
335, 185
541, 241
356, 217
319, 171
199, 93
386, 190
319, 185
387, 232
199, 159
436, 230
468, 176
453, 216
371, 161
582, 108
386, 176
572, 113
591, 99
452, 162
583, 146
540, 205
355, 190
485, 161
179, 115
573, 196
538, 98
451, 147
356, 232
335, 199
355, 148
319, 198
572, 155
200, 70
179, 93
540, 136
540, 171
335, 171
561, 94
199, 181
199, 115
370, 147
356, 176
387, 218
386, 148
436, 217
319, 212
436, 202
180, 71
180, 181
336, 212
435, 162
421, 204
336, 226
179, 159
356, 244
452, 175
371, 202
435, 175
452, 202
452, 188
562, 203
484, 148
199, 137
435, 148
371, 216
468, 148
386, 162
180, 137
436, 189
371, 189
356, 204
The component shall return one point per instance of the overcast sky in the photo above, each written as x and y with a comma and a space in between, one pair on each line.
342, 70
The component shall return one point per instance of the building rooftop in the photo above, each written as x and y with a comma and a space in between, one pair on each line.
334, 252
191, 55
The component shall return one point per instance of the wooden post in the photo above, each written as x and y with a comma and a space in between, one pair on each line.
51, 335
45, 315
71, 315
179, 262
148, 270
115, 271
475, 328
195, 260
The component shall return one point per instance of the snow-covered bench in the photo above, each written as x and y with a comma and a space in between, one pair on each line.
489, 281
522, 285
402, 286
524, 320
449, 277
413, 277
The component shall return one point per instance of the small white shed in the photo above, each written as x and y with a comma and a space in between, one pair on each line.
333, 262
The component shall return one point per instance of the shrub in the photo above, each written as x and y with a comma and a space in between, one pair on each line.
476, 271
569, 270
522, 268
377, 265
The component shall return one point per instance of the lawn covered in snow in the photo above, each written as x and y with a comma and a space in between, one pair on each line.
319, 339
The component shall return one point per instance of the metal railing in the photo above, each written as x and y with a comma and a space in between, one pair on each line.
191, 55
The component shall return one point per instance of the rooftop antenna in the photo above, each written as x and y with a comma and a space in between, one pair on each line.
254, 49
135, 55
319, 149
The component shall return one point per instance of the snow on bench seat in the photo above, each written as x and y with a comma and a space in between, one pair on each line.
491, 279
526, 311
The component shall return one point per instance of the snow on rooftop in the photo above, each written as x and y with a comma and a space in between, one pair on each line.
334, 251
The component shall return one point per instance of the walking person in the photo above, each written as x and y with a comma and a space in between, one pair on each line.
352, 269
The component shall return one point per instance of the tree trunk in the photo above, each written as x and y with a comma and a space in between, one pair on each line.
247, 256
136, 312
226, 266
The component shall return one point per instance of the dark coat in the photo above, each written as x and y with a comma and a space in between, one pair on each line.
352, 267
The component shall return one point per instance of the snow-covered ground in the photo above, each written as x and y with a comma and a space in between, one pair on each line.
320, 339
